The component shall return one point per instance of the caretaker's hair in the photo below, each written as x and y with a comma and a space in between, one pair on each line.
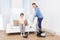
22, 14
34, 4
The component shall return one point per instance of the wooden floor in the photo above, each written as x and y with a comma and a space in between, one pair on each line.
32, 36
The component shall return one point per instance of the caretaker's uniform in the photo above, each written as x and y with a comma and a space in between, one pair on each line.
40, 17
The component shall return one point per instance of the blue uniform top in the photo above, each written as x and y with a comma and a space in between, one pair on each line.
37, 13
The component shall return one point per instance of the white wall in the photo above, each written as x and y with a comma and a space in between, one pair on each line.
6, 9
16, 3
0, 7
56, 15
1, 19
26, 7
51, 12
1, 23
49, 8
16, 6
46, 7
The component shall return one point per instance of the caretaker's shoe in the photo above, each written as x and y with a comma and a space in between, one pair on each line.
41, 35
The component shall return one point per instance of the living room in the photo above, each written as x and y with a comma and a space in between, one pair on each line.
9, 14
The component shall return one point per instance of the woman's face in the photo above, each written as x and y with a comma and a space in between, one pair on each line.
34, 6
21, 16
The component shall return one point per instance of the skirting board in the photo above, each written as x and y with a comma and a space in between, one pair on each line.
50, 31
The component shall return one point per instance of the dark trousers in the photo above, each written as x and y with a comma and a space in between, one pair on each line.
39, 24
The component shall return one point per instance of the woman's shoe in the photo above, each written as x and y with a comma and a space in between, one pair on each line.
25, 36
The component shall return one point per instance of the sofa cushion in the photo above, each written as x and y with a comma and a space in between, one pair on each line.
15, 23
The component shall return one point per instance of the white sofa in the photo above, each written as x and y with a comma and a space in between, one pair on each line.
16, 29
